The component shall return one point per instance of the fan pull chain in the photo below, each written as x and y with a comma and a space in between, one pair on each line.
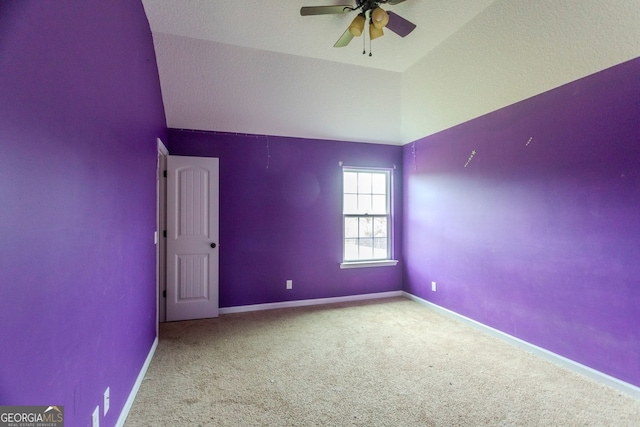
370, 53
364, 51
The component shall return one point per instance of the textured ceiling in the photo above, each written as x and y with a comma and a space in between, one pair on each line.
277, 26
259, 67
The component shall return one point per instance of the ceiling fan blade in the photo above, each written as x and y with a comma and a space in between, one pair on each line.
394, 2
399, 25
325, 10
344, 39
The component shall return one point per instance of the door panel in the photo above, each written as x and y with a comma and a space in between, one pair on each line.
192, 276
192, 238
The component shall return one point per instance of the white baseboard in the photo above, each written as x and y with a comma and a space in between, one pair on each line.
591, 373
307, 302
134, 391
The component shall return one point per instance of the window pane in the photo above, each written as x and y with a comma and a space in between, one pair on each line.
350, 249
379, 203
350, 182
366, 249
380, 248
364, 182
366, 227
379, 183
350, 204
350, 227
364, 203
380, 227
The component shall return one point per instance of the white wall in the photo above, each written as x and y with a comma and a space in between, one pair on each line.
512, 51
254, 91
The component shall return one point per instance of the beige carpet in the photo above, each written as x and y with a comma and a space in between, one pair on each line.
389, 362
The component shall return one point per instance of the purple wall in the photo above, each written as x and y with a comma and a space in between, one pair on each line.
284, 222
539, 235
80, 110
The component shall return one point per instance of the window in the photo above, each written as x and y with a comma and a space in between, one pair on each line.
366, 216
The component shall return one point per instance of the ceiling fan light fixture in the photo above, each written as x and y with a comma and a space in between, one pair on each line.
375, 32
379, 18
370, 13
357, 25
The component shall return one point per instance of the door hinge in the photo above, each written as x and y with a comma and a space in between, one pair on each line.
164, 233
164, 173
164, 294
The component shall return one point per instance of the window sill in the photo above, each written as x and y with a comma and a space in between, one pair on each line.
363, 264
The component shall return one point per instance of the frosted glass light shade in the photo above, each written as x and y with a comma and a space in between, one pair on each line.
374, 32
357, 25
379, 18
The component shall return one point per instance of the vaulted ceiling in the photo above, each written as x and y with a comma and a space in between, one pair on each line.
260, 67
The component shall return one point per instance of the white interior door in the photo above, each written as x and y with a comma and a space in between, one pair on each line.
192, 238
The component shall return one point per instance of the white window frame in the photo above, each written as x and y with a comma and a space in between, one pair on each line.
388, 261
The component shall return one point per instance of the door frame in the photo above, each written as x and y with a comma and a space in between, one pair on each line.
161, 226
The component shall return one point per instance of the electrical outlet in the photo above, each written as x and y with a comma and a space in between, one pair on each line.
289, 284
433, 286
106, 402
95, 418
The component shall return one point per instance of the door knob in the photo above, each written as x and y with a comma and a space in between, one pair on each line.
213, 245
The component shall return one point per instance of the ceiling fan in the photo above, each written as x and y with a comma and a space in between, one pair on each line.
369, 9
